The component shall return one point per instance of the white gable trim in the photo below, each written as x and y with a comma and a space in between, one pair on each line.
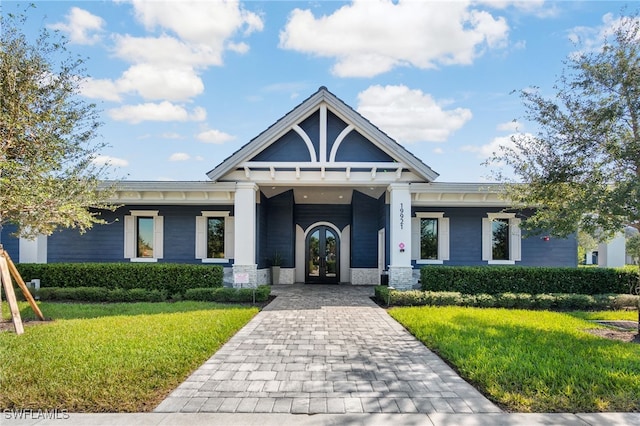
322, 101
305, 137
339, 139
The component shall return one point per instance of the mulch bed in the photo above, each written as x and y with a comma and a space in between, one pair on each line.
624, 331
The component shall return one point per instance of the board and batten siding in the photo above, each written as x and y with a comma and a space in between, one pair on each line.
10, 243
364, 231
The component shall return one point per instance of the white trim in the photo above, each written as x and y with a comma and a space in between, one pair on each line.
130, 237
323, 132
443, 238
515, 239
312, 152
338, 141
201, 235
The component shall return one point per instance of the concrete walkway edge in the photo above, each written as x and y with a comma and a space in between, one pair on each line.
254, 419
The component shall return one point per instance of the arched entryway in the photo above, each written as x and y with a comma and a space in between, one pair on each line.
322, 259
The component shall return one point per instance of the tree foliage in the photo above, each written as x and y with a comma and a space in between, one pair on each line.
582, 167
47, 132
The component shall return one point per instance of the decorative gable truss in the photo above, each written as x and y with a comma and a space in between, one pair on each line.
323, 140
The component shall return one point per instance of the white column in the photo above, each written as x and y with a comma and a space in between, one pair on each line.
244, 266
612, 254
34, 250
400, 270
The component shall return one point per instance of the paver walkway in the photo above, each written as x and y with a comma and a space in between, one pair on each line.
325, 349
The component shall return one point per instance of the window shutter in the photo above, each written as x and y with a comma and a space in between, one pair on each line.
443, 238
129, 237
415, 238
158, 237
229, 235
515, 241
201, 237
487, 238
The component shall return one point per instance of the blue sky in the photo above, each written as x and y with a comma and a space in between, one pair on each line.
181, 85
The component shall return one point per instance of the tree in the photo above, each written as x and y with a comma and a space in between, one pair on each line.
582, 167
47, 176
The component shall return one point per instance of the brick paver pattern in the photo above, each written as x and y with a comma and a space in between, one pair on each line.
325, 349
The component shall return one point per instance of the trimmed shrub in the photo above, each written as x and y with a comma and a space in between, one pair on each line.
556, 301
99, 294
164, 277
530, 280
233, 295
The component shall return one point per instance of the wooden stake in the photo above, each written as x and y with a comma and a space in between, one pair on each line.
27, 294
11, 295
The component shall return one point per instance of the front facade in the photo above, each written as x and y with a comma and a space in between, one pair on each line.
323, 193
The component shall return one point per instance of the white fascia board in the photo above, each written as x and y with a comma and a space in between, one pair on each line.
162, 192
458, 195
330, 178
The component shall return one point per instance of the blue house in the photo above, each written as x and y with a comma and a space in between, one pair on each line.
322, 190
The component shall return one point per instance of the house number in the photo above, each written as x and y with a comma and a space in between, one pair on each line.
401, 216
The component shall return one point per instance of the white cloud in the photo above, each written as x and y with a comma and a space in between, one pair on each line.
171, 135
152, 82
82, 27
100, 89
179, 156
591, 39
497, 145
367, 38
106, 160
214, 136
509, 126
410, 115
163, 111
191, 36
438, 151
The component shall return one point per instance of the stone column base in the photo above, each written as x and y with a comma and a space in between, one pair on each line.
245, 276
401, 277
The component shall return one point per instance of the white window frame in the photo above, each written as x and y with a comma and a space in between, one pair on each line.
201, 236
443, 238
515, 239
130, 236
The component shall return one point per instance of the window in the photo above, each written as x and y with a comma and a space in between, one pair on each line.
501, 238
143, 236
214, 236
430, 237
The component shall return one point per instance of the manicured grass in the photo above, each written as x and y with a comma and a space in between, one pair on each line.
111, 357
531, 361
606, 315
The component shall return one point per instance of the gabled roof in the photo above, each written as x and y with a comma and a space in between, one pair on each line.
305, 109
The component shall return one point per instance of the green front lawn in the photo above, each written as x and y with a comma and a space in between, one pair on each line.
111, 357
532, 361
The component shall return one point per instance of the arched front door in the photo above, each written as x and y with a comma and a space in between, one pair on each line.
323, 256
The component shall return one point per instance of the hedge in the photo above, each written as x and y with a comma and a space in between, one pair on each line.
229, 294
99, 294
557, 301
531, 280
174, 279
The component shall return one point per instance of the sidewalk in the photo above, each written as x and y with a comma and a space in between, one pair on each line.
245, 419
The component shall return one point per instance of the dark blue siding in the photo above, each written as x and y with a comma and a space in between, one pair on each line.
105, 243
357, 148
465, 241
280, 229
10, 243
364, 231
102, 243
307, 214
289, 147
311, 126
334, 126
